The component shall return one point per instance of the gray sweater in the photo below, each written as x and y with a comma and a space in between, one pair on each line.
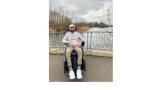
70, 36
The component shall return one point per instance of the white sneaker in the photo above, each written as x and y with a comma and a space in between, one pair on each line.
71, 75
79, 74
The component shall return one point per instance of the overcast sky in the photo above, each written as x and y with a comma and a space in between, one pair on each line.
88, 10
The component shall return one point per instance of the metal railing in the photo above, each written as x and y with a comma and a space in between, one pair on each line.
94, 40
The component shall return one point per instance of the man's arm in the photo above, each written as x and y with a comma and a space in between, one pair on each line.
65, 40
79, 44
80, 37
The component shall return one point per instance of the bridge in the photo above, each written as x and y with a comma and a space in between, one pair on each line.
99, 68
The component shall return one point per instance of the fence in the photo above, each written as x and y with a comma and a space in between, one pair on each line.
94, 40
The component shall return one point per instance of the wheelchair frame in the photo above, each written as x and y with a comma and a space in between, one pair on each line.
74, 57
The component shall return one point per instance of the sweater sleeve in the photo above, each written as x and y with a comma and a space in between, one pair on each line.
65, 40
80, 37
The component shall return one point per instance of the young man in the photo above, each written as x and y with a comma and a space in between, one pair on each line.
73, 39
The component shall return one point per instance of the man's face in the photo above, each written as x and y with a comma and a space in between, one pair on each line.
72, 28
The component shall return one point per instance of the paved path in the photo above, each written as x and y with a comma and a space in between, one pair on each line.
99, 69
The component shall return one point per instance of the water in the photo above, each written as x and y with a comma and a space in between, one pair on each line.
100, 29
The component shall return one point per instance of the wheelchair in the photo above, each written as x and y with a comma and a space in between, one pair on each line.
74, 57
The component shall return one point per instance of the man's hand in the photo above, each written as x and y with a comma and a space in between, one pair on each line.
79, 44
75, 44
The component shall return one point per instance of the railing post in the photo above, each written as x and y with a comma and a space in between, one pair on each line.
59, 38
90, 40
87, 40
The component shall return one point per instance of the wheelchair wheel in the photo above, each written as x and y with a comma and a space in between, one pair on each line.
83, 66
66, 69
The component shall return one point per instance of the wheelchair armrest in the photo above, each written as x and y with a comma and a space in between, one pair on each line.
66, 44
82, 43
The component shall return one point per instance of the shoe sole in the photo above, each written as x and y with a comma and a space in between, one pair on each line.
79, 78
71, 79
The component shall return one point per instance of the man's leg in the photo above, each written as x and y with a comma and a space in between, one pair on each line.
68, 55
79, 51
79, 61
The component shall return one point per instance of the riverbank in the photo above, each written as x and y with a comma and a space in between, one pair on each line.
83, 28
105, 53
80, 29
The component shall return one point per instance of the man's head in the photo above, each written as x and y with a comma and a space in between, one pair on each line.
72, 27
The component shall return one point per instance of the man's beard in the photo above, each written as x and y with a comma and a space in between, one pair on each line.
73, 31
